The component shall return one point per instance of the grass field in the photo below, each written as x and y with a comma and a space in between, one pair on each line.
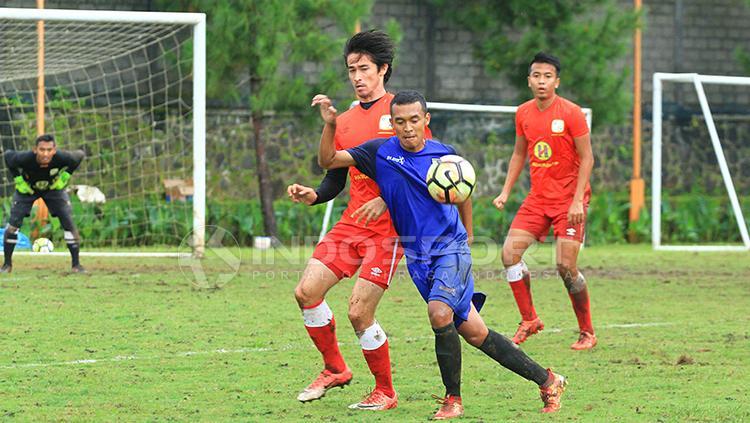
136, 340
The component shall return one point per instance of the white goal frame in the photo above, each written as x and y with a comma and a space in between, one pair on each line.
198, 22
697, 80
455, 107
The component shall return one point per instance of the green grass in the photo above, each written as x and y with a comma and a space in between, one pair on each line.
163, 350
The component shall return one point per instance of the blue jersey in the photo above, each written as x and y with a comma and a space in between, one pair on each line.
426, 228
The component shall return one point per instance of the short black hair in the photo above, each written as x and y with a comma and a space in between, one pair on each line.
45, 138
374, 43
543, 57
409, 97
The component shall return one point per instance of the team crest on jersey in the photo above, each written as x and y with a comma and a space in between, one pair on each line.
542, 151
385, 123
558, 126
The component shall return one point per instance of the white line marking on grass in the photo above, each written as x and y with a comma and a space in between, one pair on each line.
616, 326
220, 351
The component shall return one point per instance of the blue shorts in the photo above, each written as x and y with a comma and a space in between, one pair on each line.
447, 279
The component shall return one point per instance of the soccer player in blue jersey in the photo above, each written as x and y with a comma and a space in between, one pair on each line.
436, 243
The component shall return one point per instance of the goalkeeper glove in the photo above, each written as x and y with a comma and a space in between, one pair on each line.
61, 181
22, 186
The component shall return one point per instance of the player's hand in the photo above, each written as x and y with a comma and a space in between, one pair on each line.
500, 201
575, 213
61, 181
327, 111
301, 194
22, 186
370, 211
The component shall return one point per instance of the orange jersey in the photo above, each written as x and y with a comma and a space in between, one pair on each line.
553, 158
354, 127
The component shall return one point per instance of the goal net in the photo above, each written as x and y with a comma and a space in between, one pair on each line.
698, 155
480, 132
127, 88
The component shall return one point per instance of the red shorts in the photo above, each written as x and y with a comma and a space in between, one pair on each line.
347, 247
537, 214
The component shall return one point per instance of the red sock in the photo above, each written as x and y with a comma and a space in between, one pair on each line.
324, 338
581, 306
379, 362
522, 293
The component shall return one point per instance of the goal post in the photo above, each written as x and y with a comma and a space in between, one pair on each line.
697, 81
133, 84
450, 107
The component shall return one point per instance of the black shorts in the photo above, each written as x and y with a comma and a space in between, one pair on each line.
57, 201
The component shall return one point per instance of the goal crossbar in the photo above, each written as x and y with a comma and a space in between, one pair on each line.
697, 80
198, 22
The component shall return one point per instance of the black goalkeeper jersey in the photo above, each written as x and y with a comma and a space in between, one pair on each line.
40, 178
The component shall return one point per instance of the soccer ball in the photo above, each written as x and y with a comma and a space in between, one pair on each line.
42, 245
451, 179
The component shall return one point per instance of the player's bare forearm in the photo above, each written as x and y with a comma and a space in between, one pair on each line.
586, 156
515, 167
516, 164
340, 159
464, 211
327, 148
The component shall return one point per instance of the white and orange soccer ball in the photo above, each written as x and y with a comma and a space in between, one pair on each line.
451, 179
42, 245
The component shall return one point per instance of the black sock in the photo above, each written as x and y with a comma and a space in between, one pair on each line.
74, 250
9, 244
448, 352
505, 352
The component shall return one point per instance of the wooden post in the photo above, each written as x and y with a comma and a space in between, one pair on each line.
637, 185
42, 214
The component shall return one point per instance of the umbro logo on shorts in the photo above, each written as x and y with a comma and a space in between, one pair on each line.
571, 231
376, 271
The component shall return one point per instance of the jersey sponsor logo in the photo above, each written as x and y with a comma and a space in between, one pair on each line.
399, 159
558, 126
385, 123
571, 231
41, 185
542, 151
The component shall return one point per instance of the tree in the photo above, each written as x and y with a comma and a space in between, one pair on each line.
264, 41
591, 37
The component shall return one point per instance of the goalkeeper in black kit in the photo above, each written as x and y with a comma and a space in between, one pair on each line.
43, 173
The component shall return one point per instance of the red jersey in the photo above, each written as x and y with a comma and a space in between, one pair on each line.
553, 158
354, 127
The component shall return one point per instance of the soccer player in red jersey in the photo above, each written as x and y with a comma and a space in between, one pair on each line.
553, 132
363, 239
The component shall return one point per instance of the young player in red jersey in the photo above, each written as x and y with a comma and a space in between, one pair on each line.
363, 239
554, 134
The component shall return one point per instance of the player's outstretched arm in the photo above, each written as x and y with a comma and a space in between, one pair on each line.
332, 184
515, 167
10, 158
76, 157
464, 211
586, 156
370, 211
328, 157
301, 194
